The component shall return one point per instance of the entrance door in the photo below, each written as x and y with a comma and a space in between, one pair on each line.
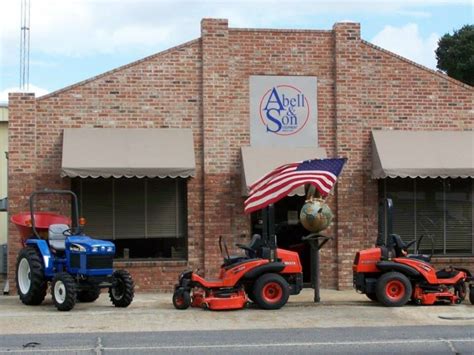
289, 230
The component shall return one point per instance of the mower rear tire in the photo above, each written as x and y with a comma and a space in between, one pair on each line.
393, 289
181, 299
30, 281
372, 296
271, 291
63, 289
122, 292
89, 295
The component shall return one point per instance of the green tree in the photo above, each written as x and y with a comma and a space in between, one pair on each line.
455, 54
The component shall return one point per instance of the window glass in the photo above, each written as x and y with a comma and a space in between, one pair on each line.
146, 218
440, 208
459, 216
401, 191
430, 214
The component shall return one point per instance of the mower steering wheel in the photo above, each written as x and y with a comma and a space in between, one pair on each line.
244, 247
417, 243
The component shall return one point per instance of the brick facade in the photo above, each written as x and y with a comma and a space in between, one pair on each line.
203, 85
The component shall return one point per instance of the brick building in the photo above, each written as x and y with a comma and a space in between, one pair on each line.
196, 97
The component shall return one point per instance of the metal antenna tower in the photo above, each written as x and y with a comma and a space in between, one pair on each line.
25, 45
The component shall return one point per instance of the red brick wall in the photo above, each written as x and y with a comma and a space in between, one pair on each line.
203, 85
160, 91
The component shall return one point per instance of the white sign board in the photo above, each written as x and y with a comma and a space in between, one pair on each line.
283, 111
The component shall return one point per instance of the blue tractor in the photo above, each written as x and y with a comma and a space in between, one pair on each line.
56, 251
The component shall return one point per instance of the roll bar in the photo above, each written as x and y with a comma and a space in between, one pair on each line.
75, 208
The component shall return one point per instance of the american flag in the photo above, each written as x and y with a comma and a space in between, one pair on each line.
321, 173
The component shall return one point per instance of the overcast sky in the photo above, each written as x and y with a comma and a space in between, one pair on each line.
72, 40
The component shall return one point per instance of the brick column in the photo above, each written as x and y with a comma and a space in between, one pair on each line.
217, 179
349, 117
21, 168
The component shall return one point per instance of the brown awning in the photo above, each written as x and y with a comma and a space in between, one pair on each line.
122, 152
257, 161
422, 154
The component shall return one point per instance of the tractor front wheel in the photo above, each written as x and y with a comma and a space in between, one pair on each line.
122, 291
181, 299
393, 289
30, 281
63, 289
271, 291
89, 295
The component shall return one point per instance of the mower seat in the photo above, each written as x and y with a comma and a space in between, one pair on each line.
57, 237
233, 259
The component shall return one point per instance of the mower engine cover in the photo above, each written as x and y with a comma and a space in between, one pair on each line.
90, 257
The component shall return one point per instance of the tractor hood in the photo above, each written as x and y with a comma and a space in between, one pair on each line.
90, 246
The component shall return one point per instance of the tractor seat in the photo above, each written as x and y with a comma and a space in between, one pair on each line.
56, 237
422, 257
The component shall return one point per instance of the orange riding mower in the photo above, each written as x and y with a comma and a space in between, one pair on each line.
390, 275
266, 275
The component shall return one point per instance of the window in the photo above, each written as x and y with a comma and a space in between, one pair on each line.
442, 208
145, 218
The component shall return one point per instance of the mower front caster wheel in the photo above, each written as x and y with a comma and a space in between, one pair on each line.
123, 289
63, 289
271, 291
393, 289
182, 300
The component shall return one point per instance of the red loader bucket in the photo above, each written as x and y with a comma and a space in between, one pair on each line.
42, 222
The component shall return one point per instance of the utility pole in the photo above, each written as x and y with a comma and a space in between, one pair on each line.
25, 45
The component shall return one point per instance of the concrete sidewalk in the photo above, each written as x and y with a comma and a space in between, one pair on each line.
155, 312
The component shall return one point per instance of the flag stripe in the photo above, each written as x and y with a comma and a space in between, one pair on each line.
268, 199
321, 173
268, 177
326, 184
324, 175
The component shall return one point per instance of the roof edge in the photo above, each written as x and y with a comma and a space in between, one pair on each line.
126, 66
244, 29
431, 71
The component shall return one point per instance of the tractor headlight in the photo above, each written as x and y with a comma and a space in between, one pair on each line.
95, 249
77, 248
110, 249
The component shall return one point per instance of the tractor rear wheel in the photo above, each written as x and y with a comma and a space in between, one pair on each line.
393, 289
471, 294
30, 281
271, 291
181, 299
89, 295
63, 289
122, 292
